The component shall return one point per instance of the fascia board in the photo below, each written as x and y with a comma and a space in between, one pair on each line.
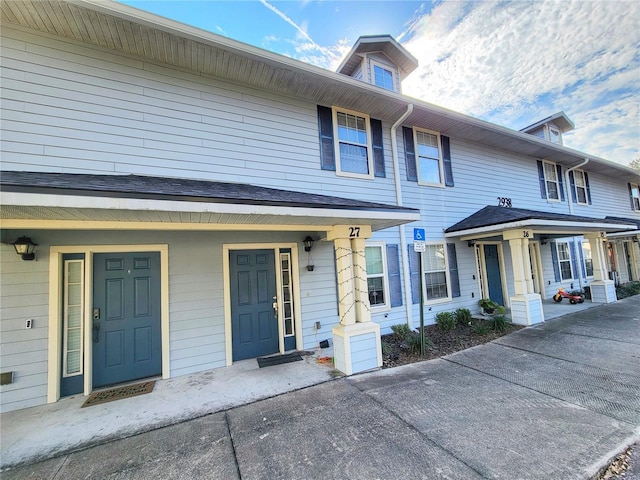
496, 229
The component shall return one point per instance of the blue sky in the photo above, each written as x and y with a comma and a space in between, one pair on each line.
511, 62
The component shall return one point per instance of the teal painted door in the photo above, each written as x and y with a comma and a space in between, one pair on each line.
494, 279
254, 323
126, 317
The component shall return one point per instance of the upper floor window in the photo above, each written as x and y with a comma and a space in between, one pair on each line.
429, 157
350, 143
552, 182
564, 260
382, 77
634, 195
554, 135
580, 180
353, 145
376, 275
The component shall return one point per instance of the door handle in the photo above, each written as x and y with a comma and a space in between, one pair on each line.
96, 332
275, 307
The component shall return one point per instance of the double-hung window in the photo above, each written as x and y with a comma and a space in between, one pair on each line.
376, 275
353, 143
436, 275
551, 180
382, 76
564, 260
588, 260
428, 157
581, 187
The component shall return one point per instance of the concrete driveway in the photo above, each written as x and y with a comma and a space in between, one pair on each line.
555, 401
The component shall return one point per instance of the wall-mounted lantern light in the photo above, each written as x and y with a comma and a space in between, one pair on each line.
544, 240
308, 245
24, 247
471, 243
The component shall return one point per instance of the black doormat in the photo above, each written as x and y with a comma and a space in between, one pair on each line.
119, 393
279, 359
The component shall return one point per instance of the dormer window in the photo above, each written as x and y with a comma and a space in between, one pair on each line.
382, 76
555, 136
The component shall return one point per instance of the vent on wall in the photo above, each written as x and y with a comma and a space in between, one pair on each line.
6, 378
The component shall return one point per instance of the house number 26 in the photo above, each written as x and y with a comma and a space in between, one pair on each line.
354, 232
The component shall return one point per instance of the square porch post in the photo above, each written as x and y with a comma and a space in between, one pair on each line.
603, 290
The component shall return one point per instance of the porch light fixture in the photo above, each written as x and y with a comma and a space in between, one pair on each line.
636, 240
24, 247
544, 240
308, 243
471, 243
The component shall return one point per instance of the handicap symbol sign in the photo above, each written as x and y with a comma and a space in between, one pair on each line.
419, 235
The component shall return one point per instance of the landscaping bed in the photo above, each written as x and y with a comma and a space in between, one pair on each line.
403, 347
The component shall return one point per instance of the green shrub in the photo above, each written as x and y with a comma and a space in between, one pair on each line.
499, 323
463, 316
446, 320
481, 328
500, 310
401, 331
413, 342
628, 290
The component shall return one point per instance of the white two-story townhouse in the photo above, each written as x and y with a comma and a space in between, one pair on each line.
181, 201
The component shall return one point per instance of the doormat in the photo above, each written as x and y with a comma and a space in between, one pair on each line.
279, 359
119, 393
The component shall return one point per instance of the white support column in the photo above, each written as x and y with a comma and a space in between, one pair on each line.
603, 290
360, 286
356, 339
526, 306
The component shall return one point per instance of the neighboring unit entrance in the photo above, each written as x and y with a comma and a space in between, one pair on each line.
126, 317
254, 321
494, 278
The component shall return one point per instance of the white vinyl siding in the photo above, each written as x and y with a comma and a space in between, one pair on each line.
73, 308
428, 157
564, 260
436, 273
377, 276
581, 187
551, 180
352, 144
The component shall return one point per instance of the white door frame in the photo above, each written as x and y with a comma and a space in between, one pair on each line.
482, 272
536, 268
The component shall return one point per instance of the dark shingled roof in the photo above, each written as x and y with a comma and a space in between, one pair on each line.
493, 215
181, 189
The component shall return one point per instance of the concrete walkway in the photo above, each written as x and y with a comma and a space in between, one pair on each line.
558, 400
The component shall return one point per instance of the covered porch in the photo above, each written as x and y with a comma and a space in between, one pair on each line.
521, 270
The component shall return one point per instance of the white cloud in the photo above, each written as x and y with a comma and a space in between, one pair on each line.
514, 63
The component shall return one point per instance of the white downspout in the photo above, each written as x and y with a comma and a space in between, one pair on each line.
403, 238
576, 253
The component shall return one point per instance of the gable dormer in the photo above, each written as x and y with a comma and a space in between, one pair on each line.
551, 128
379, 60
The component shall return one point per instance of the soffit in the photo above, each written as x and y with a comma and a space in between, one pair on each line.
130, 31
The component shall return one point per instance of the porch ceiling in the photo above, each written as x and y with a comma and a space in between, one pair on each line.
130, 31
492, 221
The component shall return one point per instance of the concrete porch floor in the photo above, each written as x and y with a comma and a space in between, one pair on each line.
36, 433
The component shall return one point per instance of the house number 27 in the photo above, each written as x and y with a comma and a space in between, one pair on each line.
354, 232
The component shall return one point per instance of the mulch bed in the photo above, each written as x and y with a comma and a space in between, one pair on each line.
444, 342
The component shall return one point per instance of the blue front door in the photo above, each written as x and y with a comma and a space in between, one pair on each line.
494, 279
254, 323
126, 317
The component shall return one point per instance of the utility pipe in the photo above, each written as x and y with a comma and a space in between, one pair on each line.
403, 238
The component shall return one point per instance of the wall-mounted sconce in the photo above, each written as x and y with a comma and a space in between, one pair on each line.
308, 245
24, 247
636, 240
544, 240
471, 243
